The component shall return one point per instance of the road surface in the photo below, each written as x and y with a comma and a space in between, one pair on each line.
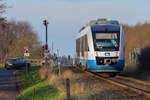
8, 88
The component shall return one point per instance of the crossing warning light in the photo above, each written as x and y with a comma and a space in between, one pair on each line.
69, 57
43, 48
46, 47
26, 49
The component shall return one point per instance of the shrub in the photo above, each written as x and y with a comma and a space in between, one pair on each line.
144, 61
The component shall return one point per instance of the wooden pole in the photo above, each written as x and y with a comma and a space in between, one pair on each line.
68, 89
59, 68
33, 95
27, 70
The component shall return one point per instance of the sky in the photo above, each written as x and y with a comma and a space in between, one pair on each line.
66, 17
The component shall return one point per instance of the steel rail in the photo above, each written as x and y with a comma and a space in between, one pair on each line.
133, 80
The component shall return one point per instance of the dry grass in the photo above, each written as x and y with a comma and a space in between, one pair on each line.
57, 82
77, 86
71, 75
45, 71
68, 74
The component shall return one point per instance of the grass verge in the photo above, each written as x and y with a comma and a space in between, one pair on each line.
78, 86
43, 91
1, 66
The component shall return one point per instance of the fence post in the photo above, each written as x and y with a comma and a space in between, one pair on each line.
68, 89
59, 68
27, 69
33, 95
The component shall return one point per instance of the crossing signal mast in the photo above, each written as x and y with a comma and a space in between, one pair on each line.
45, 47
45, 22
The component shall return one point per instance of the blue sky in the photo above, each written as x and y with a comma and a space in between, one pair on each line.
66, 17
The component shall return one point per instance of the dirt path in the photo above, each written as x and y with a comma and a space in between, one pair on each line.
8, 89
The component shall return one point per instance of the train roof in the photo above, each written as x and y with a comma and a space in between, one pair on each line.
105, 27
103, 22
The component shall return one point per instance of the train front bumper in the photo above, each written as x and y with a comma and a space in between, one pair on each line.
105, 68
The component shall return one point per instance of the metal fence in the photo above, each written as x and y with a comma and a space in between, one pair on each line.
35, 61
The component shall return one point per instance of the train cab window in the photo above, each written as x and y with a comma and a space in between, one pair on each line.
106, 41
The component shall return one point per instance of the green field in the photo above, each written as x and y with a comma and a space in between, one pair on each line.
43, 91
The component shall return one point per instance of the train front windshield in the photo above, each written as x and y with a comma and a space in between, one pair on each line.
106, 41
106, 38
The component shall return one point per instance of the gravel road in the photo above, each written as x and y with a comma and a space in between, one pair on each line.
8, 88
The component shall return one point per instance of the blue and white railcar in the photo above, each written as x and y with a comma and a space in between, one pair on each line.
100, 46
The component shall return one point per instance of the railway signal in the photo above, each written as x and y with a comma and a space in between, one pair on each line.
45, 47
69, 58
45, 22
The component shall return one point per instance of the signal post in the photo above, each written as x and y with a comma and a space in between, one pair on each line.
46, 51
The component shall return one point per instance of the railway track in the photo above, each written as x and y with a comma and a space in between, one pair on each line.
133, 81
129, 84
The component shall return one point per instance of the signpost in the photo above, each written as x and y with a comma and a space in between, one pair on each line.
46, 51
58, 61
58, 52
27, 54
26, 51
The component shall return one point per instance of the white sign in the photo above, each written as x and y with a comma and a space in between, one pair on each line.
57, 52
46, 54
26, 51
27, 54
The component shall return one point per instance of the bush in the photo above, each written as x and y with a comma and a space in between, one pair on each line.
144, 61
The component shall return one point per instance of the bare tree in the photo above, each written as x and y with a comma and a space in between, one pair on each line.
14, 36
2, 7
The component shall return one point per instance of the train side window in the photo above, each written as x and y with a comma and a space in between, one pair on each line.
79, 47
82, 47
76, 45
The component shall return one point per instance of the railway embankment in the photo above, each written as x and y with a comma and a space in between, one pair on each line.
139, 72
49, 83
85, 87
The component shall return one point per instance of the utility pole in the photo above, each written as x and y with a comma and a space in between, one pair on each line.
52, 46
45, 22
